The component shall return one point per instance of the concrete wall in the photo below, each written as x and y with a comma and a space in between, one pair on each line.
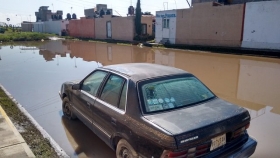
38, 27
205, 24
165, 33
82, 28
26, 27
100, 27
50, 26
262, 25
122, 27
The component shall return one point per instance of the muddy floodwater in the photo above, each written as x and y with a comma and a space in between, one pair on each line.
34, 72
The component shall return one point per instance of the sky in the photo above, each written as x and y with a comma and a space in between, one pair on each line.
24, 10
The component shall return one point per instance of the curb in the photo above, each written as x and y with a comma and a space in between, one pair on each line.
17, 134
60, 152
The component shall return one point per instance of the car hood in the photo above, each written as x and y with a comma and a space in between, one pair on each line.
203, 120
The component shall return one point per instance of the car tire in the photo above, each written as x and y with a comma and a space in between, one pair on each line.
67, 109
125, 150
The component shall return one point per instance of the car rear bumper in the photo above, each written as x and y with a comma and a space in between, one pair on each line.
246, 150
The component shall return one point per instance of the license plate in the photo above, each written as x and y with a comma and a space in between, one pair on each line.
218, 142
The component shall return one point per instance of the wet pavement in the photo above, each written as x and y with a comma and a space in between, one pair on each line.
34, 72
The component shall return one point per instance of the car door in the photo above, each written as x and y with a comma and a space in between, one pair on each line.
84, 98
109, 107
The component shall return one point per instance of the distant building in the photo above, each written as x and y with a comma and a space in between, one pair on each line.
45, 15
97, 11
26, 26
55, 27
226, 2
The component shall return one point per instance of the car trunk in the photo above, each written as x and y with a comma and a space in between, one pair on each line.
198, 124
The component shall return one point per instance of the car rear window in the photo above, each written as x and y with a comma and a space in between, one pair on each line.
168, 94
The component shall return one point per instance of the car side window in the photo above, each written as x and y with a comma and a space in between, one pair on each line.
112, 90
92, 82
123, 97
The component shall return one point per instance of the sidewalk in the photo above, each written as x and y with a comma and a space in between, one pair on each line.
12, 145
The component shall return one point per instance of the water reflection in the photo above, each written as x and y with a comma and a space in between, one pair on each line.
84, 142
252, 82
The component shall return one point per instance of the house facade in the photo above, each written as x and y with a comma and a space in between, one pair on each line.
84, 28
209, 24
120, 28
205, 24
165, 26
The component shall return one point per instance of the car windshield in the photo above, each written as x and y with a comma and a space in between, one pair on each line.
167, 94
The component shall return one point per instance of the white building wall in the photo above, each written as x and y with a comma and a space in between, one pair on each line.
262, 25
54, 27
38, 27
170, 14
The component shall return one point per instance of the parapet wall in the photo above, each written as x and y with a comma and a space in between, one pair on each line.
262, 25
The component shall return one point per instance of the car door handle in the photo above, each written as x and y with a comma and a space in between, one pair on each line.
114, 121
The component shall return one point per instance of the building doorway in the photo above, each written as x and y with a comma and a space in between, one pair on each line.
109, 29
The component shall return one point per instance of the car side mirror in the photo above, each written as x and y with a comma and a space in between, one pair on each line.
76, 87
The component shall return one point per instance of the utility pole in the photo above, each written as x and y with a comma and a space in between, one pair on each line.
20, 18
164, 5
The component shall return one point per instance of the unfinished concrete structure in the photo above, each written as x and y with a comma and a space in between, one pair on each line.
26, 26
44, 14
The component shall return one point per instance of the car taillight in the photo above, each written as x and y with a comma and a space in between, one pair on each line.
240, 131
177, 154
190, 153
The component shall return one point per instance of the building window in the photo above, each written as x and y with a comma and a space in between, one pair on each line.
165, 23
144, 29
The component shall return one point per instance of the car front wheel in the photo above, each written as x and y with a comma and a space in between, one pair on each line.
67, 110
125, 150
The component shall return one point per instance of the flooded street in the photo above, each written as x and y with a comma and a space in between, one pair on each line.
33, 74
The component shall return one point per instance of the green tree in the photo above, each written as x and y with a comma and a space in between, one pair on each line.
138, 18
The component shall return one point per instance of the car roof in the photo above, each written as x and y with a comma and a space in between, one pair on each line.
140, 71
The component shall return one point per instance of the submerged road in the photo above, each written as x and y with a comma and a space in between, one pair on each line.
34, 76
